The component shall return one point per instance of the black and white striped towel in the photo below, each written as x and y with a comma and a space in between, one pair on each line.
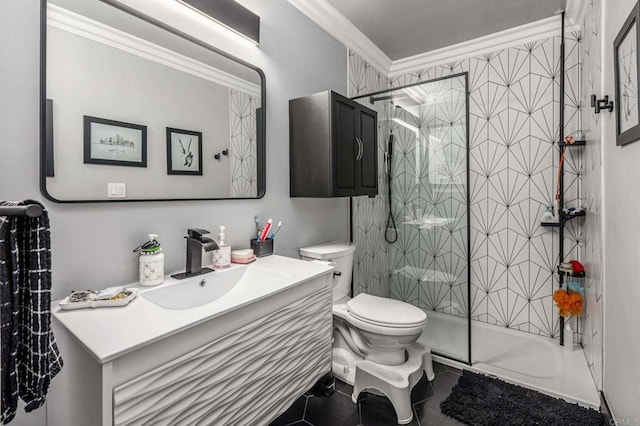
30, 356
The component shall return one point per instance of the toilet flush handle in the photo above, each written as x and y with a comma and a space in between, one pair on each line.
329, 263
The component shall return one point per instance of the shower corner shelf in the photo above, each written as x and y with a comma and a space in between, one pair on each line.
566, 217
575, 143
550, 224
562, 146
571, 274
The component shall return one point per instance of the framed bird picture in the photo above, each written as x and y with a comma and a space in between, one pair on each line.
184, 152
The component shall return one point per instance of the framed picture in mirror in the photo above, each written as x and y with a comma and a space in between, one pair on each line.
114, 143
184, 152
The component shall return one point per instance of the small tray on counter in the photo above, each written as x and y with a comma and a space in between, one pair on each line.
244, 261
67, 305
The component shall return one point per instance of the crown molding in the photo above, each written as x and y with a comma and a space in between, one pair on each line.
336, 24
489, 43
82, 26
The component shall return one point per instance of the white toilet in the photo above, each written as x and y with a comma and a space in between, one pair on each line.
374, 339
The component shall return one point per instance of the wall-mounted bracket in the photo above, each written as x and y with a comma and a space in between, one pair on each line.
600, 104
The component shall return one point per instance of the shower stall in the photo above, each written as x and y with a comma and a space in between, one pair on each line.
425, 185
415, 243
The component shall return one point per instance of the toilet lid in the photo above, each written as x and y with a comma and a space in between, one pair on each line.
330, 250
383, 311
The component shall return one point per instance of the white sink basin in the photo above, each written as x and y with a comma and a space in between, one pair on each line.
203, 289
196, 291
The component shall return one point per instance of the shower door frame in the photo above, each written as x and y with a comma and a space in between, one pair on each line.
468, 198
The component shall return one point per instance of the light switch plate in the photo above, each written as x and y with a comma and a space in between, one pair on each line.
116, 190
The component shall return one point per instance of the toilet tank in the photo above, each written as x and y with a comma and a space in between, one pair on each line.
340, 253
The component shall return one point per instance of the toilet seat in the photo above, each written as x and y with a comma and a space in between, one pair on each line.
341, 311
385, 312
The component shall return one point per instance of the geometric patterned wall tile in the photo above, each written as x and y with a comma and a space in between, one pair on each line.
242, 151
369, 215
543, 315
513, 135
364, 78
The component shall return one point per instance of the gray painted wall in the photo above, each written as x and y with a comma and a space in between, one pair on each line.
92, 243
621, 249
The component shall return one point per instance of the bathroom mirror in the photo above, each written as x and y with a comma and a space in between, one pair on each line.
135, 110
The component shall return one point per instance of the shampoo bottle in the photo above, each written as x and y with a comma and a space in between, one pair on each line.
151, 259
222, 256
547, 216
568, 337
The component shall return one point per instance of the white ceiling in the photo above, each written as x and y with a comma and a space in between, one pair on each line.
403, 28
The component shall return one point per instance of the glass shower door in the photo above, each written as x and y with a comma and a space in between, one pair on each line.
428, 263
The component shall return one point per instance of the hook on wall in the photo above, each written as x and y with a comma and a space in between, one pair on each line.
217, 156
225, 152
600, 104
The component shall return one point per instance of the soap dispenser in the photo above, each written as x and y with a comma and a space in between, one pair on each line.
222, 256
151, 259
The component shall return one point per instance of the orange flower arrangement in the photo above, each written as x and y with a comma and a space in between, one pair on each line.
569, 302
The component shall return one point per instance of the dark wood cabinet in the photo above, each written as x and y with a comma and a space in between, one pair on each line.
332, 147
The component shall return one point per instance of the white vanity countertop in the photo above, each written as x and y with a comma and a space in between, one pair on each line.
107, 333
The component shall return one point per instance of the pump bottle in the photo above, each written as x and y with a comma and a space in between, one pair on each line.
222, 256
151, 264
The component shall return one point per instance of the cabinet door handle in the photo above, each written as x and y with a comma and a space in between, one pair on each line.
360, 149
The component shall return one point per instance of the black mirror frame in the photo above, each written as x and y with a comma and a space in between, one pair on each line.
260, 122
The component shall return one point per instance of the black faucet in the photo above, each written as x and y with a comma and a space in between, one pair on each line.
195, 243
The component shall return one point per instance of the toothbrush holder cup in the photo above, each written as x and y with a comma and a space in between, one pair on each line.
262, 248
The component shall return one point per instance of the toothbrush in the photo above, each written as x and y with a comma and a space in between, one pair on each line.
255, 219
273, 234
265, 231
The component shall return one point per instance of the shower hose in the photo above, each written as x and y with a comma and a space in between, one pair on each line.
391, 230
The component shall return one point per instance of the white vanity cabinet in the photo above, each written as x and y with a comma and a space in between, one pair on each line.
244, 366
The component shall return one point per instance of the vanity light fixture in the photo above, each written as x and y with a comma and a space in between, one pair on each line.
231, 15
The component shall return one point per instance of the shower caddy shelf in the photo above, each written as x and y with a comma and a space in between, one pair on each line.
571, 274
575, 143
564, 217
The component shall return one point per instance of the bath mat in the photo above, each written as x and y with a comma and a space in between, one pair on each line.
479, 400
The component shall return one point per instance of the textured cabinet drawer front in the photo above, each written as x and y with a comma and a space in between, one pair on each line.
244, 378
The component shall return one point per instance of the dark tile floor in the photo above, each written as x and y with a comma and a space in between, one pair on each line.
372, 410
